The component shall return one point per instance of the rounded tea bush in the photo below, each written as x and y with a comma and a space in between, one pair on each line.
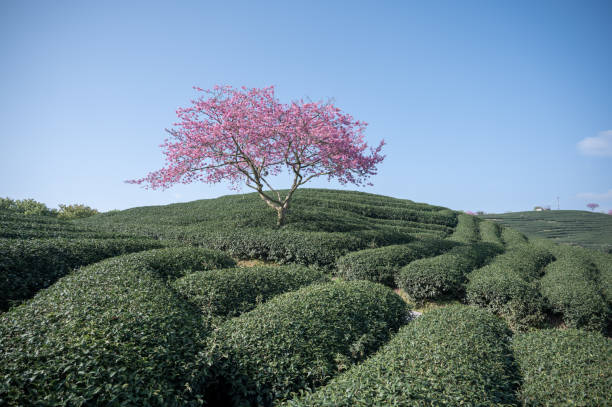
382, 264
112, 333
506, 294
466, 230
457, 355
300, 340
570, 287
230, 292
564, 368
443, 275
174, 262
29, 265
490, 232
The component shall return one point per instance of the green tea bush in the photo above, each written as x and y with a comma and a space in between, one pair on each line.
17, 226
508, 285
564, 368
444, 275
382, 264
409, 213
466, 230
27, 266
113, 333
300, 340
230, 292
603, 262
507, 295
174, 262
512, 237
283, 246
490, 232
453, 356
570, 287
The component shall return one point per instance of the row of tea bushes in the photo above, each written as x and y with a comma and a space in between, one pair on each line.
490, 232
300, 340
603, 262
231, 292
512, 237
466, 230
458, 355
29, 265
571, 288
564, 368
508, 285
19, 226
362, 198
284, 246
424, 214
112, 334
381, 265
441, 276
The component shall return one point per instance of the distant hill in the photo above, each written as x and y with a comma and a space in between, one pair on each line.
581, 228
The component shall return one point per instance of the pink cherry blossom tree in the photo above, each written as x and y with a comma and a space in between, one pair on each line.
610, 212
246, 136
593, 206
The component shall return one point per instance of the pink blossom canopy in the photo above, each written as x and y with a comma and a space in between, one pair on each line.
245, 135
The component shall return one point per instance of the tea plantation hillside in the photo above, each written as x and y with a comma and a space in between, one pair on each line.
321, 224
155, 306
581, 228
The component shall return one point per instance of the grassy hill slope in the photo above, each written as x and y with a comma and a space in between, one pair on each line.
581, 228
321, 224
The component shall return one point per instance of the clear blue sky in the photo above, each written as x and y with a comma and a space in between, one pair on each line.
485, 105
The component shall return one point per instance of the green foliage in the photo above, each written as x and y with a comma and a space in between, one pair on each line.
507, 295
508, 285
25, 207
564, 368
113, 333
75, 211
321, 225
571, 288
300, 340
603, 262
512, 238
231, 292
452, 356
381, 265
17, 226
27, 266
466, 230
582, 228
174, 262
490, 232
444, 275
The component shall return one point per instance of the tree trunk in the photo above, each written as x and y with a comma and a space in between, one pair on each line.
280, 221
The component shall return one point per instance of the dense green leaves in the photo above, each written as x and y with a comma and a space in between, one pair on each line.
27, 266
490, 232
508, 285
381, 265
564, 368
321, 225
230, 292
300, 340
444, 275
466, 230
571, 288
113, 333
452, 356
